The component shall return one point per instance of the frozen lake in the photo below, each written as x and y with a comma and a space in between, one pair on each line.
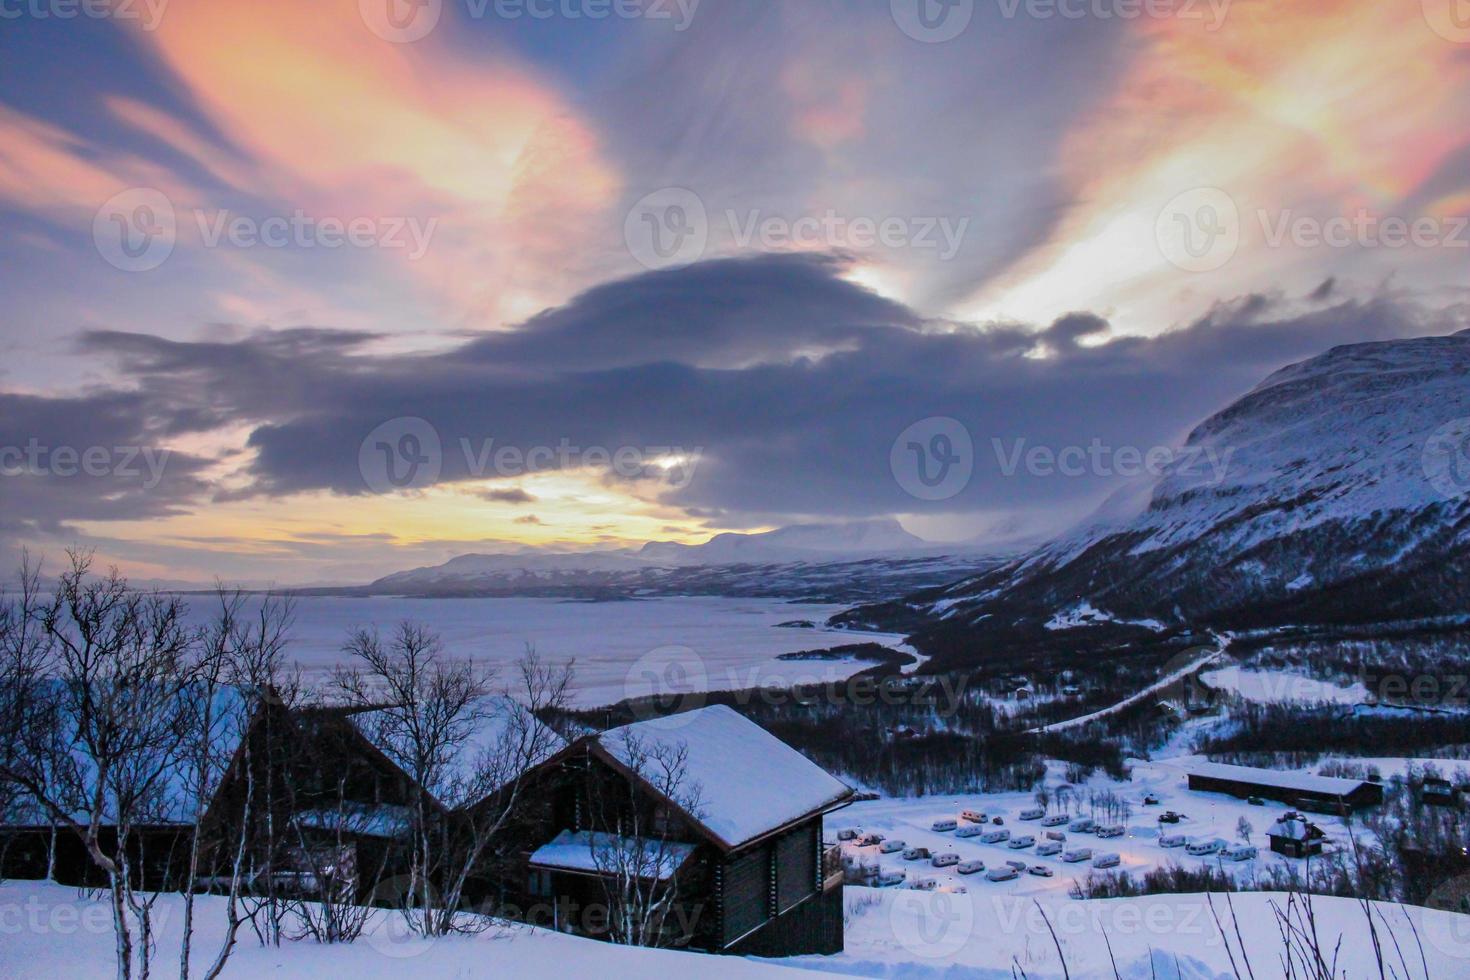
620, 649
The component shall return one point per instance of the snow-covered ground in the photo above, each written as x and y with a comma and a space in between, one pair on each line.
1278, 686
986, 934
967, 927
621, 649
49, 932
971, 926
1207, 816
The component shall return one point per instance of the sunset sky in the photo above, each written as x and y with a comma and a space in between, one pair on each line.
745, 243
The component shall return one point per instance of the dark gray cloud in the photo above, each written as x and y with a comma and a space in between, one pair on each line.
793, 382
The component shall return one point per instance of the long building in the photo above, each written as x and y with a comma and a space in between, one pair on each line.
1320, 794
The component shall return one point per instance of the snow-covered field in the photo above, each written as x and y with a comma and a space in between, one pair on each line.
967, 927
621, 649
1278, 686
49, 931
1207, 816
985, 934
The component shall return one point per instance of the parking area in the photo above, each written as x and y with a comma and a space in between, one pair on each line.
1156, 789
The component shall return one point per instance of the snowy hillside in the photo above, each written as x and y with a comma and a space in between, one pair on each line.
1342, 501
849, 562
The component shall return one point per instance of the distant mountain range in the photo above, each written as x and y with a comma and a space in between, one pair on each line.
850, 562
1343, 501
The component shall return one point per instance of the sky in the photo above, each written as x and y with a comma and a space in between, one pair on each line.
313, 292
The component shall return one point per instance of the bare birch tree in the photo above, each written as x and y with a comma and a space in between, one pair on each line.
635, 840
97, 748
464, 742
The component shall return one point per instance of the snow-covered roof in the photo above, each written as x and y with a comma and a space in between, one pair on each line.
747, 781
586, 852
174, 793
360, 819
1294, 829
505, 737
1331, 785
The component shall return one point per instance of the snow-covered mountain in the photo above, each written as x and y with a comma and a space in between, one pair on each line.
849, 562
1343, 496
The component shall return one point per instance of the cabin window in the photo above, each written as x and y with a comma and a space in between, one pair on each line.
538, 884
796, 867
747, 892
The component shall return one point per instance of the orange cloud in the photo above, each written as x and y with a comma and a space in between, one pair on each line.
341, 123
1313, 106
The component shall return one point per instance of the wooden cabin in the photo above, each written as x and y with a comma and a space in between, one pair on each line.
1295, 837
712, 824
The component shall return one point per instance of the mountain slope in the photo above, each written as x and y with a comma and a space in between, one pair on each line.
1342, 502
